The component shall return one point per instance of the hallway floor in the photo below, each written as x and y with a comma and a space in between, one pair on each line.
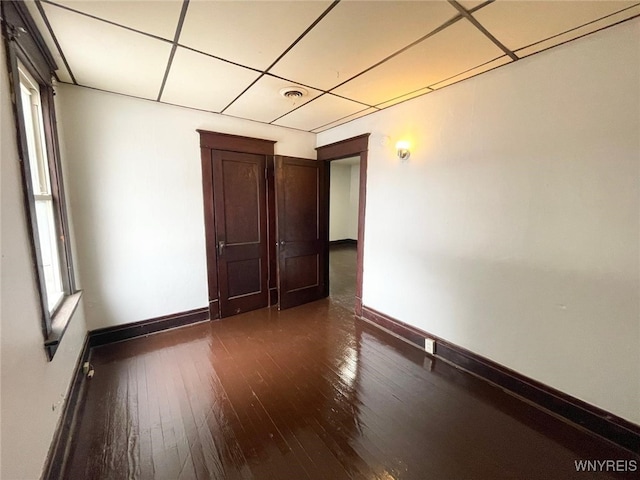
342, 275
307, 393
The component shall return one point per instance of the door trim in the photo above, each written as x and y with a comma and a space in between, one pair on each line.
235, 143
210, 141
351, 147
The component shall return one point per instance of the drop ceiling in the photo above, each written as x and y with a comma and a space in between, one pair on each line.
353, 57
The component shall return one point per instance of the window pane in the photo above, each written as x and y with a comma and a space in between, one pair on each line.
31, 138
49, 252
44, 205
32, 113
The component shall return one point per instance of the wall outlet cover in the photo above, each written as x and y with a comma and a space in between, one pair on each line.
430, 346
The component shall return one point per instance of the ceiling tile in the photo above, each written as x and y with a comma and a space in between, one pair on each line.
403, 98
321, 111
62, 72
356, 35
520, 24
199, 81
474, 71
155, 17
452, 51
252, 33
127, 62
359, 114
263, 102
578, 32
471, 4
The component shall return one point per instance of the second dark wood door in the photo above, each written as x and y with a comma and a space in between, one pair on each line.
302, 230
240, 231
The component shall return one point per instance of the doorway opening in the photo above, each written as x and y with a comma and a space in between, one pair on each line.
344, 198
352, 147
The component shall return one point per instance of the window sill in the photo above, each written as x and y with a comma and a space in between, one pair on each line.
60, 322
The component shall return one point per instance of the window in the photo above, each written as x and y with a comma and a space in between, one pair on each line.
31, 68
47, 237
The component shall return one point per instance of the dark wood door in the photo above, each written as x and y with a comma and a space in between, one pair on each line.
240, 231
302, 203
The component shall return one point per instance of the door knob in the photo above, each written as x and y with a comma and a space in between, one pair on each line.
220, 247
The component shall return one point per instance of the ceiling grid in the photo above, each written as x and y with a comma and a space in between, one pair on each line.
176, 37
58, 49
352, 57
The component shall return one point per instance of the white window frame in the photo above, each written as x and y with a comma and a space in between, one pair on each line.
48, 235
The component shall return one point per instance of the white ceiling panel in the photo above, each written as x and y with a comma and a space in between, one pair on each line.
578, 32
151, 16
471, 4
321, 111
356, 35
359, 114
199, 81
520, 24
474, 71
263, 102
62, 72
253, 33
111, 58
449, 52
403, 98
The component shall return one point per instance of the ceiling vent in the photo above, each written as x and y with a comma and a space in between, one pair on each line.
293, 93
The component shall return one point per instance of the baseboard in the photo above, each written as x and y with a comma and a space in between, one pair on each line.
103, 336
54, 466
345, 241
599, 422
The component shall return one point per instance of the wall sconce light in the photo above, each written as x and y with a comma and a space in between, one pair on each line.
403, 150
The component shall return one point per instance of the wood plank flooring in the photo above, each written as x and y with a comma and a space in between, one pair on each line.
308, 393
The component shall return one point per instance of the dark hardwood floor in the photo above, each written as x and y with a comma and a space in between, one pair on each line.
308, 393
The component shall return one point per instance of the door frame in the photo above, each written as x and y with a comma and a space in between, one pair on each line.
351, 147
232, 143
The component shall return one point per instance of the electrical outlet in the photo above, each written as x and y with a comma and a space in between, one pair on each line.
88, 370
430, 346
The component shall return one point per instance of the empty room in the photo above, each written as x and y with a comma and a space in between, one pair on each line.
351, 239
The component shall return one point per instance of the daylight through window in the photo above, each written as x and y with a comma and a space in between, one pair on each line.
42, 192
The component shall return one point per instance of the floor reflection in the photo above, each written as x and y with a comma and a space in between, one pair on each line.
307, 393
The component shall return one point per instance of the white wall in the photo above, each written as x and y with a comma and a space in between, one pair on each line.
32, 389
137, 190
354, 197
339, 202
343, 200
513, 230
